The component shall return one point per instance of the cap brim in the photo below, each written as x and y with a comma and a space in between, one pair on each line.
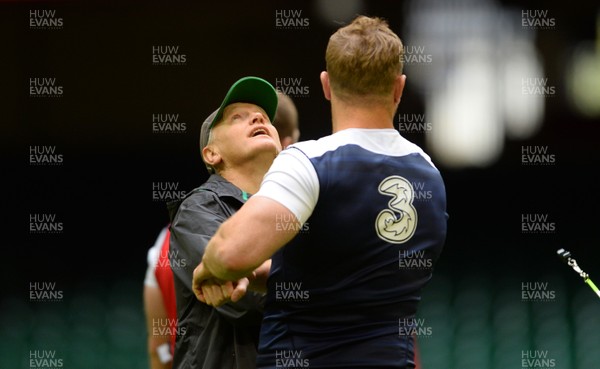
253, 90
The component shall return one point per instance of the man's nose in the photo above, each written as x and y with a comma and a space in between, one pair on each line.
257, 118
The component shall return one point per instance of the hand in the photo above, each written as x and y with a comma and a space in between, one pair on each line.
200, 275
216, 292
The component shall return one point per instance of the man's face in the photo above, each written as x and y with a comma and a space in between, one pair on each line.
243, 134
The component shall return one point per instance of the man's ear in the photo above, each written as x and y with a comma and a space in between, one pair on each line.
398, 88
325, 84
211, 155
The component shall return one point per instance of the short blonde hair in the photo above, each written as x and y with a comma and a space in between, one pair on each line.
363, 59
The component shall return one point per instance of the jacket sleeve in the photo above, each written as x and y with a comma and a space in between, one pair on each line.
196, 221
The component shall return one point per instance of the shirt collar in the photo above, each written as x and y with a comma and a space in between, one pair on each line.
224, 188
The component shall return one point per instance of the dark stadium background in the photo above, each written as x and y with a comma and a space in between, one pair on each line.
102, 193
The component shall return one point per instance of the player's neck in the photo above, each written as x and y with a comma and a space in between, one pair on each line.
248, 176
373, 116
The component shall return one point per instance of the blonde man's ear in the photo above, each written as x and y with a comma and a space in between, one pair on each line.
325, 84
399, 84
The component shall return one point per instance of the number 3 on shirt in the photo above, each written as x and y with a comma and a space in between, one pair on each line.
397, 224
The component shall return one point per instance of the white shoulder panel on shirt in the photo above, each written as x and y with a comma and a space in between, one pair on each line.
380, 141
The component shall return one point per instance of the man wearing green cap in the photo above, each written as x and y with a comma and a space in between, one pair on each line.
238, 144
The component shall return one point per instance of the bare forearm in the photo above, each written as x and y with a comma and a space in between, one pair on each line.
245, 241
221, 262
155, 311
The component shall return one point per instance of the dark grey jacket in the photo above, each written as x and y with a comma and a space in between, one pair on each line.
209, 338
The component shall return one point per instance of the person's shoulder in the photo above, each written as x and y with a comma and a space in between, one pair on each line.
213, 193
154, 251
301, 146
380, 141
416, 149
203, 197
152, 255
334, 141
315, 148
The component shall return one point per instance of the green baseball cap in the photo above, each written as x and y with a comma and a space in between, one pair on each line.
252, 90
